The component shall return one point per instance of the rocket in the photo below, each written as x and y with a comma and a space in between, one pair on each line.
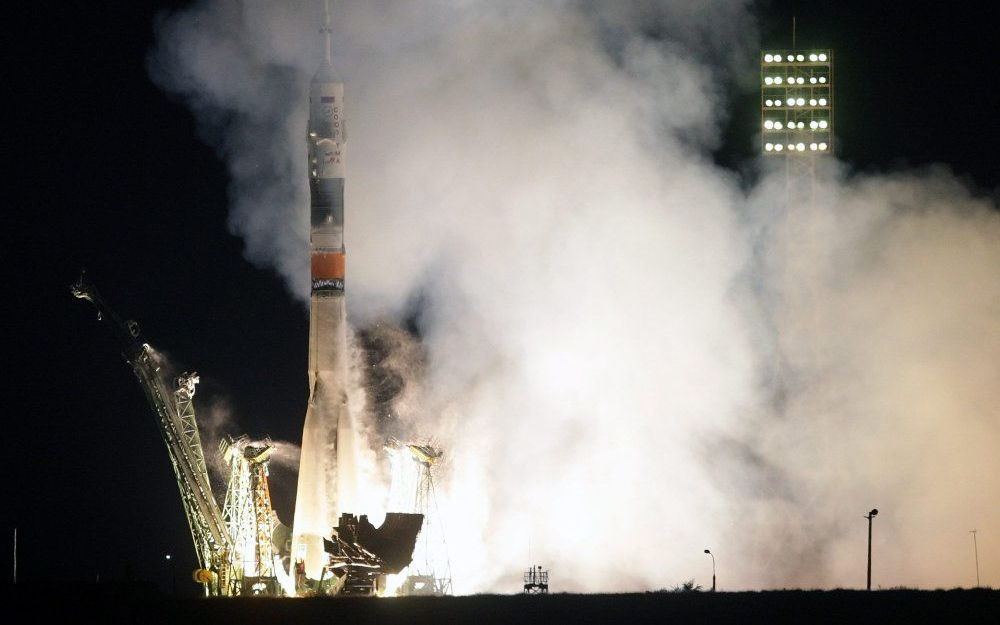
326, 468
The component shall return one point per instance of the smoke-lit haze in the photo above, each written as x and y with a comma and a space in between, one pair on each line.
627, 356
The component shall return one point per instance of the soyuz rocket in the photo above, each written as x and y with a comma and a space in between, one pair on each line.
326, 469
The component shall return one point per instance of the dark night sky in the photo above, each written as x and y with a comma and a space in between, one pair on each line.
108, 173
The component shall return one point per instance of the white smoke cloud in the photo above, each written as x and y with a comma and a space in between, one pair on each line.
627, 358
886, 299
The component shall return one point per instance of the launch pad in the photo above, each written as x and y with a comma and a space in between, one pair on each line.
243, 548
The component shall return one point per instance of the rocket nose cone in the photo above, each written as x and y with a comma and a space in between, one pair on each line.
325, 73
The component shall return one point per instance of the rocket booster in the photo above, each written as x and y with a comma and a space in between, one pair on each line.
327, 146
326, 468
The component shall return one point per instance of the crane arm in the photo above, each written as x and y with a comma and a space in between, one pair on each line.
174, 410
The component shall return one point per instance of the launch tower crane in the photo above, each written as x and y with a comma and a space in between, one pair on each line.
430, 572
249, 515
175, 416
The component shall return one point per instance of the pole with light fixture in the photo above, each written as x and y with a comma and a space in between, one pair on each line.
869, 516
713, 568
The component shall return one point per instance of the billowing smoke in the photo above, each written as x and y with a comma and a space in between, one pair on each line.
626, 357
883, 306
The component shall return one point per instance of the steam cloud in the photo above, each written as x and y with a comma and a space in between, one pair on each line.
627, 357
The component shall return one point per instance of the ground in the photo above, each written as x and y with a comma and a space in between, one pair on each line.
143, 604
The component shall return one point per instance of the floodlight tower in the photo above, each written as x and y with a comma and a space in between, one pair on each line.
796, 115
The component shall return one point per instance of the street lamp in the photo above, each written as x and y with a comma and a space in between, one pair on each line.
713, 568
975, 547
869, 517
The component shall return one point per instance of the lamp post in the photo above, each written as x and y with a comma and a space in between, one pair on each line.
975, 547
713, 568
869, 516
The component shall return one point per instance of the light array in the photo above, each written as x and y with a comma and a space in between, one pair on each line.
796, 102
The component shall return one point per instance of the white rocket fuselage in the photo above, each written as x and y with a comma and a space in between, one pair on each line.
326, 484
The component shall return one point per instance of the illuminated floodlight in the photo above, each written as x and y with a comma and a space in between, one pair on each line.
788, 92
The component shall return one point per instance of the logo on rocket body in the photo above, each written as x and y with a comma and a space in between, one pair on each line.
327, 150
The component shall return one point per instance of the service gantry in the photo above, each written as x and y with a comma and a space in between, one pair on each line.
175, 415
